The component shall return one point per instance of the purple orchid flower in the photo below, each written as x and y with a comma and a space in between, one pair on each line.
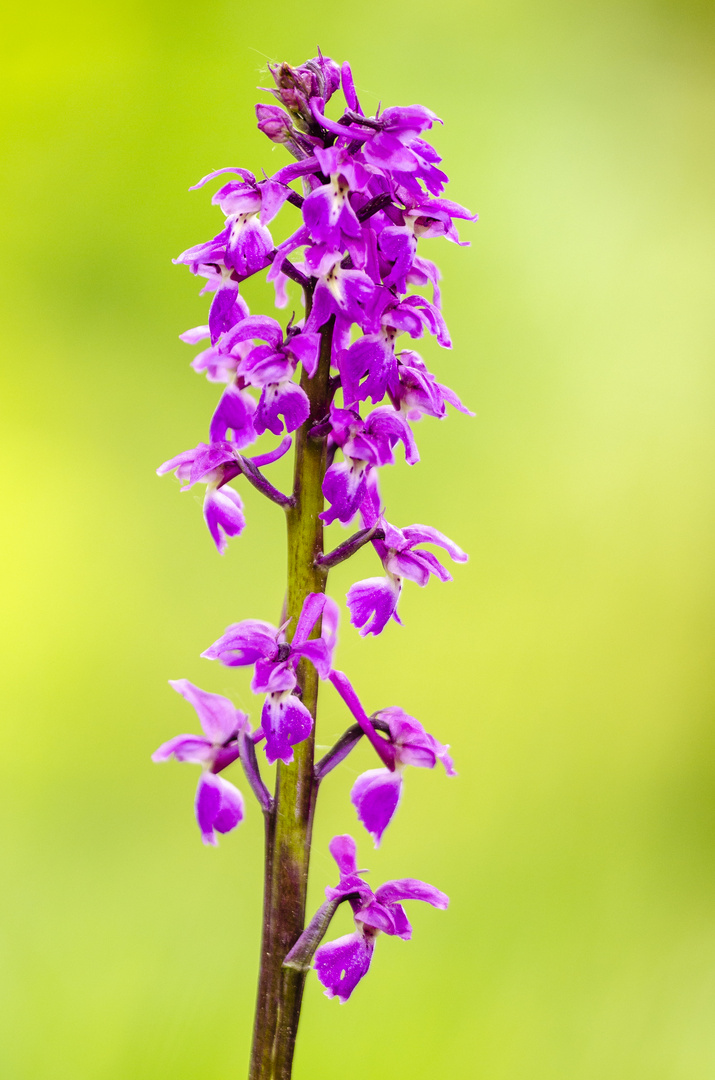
341, 964
227, 307
214, 466
327, 211
271, 368
373, 601
244, 244
340, 292
372, 357
218, 805
376, 793
285, 720
219, 366
365, 444
418, 393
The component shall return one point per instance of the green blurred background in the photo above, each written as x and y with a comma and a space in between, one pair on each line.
569, 665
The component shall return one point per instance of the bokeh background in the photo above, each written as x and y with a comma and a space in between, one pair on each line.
569, 664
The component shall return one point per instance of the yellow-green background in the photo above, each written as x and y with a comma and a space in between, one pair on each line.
569, 665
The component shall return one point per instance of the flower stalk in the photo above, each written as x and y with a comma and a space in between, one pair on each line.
289, 825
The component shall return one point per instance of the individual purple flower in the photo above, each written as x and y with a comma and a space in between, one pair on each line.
372, 357
418, 393
285, 720
327, 211
235, 413
341, 964
365, 444
376, 793
396, 150
227, 307
218, 805
373, 601
214, 465
219, 365
244, 245
271, 367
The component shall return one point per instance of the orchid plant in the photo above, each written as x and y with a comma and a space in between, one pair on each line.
370, 189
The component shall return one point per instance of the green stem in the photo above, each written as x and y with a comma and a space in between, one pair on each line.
289, 824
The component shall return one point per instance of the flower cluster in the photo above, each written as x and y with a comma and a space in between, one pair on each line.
369, 189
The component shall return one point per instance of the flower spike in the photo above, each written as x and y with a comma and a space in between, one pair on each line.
340, 383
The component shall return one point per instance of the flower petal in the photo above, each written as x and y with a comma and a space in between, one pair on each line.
372, 602
376, 795
223, 514
281, 399
243, 643
191, 748
218, 716
285, 721
411, 889
344, 850
231, 811
341, 964
425, 534
207, 806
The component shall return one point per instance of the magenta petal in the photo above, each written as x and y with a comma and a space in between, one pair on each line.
282, 399
195, 334
372, 602
230, 812
234, 412
376, 795
344, 486
306, 349
319, 655
243, 643
378, 916
413, 566
341, 964
223, 514
207, 806
425, 534
218, 716
411, 889
285, 721
445, 758
401, 923
191, 748
219, 806
222, 311
272, 677
329, 625
318, 650
309, 614
344, 851
254, 327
